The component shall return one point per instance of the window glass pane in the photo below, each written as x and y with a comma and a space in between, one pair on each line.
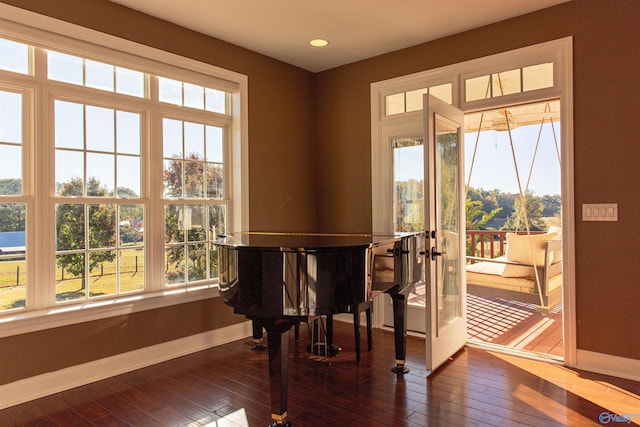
70, 277
65, 68
99, 75
414, 99
194, 141
100, 175
194, 223
194, 179
193, 96
14, 56
128, 184
196, 262
170, 91
537, 77
394, 104
69, 173
128, 134
103, 279
172, 138
175, 265
174, 223
215, 101
217, 215
215, 181
70, 232
11, 171
100, 129
129, 82
506, 82
102, 227
175, 250
172, 178
131, 225
13, 265
444, 92
131, 270
477, 88
69, 125
214, 144
10, 117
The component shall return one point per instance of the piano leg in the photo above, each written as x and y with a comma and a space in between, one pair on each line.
257, 342
400, 331
278, 347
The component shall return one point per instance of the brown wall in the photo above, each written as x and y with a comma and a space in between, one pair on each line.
281, 183
607, 148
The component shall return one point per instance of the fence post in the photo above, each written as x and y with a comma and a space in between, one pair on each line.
17, 275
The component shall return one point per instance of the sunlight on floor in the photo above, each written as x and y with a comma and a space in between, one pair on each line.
617, 401
547, 406
234, 419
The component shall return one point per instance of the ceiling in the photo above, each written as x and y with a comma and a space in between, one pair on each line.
355, 29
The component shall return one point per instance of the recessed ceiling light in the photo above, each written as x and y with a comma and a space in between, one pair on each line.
318, 42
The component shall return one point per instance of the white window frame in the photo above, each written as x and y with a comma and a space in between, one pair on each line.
41, 31
560, 52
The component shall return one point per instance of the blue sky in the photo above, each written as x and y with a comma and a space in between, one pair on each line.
494, 167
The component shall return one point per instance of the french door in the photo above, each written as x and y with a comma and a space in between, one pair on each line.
428, 194
445, 307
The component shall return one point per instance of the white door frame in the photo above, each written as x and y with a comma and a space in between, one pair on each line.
560, 52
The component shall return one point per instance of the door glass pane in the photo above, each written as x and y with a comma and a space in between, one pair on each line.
408, 180
449, 303
14, 56
408, 196
414, 99
506, 82
537, 76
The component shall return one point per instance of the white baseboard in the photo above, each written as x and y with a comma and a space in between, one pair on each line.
53, 382
607, 364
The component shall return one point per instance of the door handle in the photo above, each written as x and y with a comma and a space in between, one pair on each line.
435, 253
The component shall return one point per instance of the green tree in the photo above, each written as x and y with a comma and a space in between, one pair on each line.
185, 178
71, 225
12, 217
10, 186
476, 216
527, 209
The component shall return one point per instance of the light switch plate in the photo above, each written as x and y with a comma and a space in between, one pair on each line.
600, 212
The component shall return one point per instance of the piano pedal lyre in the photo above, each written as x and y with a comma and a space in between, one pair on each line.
319, 347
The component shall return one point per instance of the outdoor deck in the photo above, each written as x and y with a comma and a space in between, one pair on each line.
510, 323
514, 324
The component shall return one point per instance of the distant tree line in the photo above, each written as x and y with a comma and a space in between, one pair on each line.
12, 215
494, 209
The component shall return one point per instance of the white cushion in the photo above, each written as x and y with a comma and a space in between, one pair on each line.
527, 249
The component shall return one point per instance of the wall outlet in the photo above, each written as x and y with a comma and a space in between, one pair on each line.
600, 212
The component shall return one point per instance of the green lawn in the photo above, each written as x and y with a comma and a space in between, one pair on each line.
102, 281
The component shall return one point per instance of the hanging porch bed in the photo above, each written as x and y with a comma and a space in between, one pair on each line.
512, 276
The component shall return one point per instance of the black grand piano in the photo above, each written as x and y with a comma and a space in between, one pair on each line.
280, 279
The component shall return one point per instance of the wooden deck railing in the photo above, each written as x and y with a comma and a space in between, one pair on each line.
489, 243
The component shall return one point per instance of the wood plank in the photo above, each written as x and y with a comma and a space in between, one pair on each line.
230, 384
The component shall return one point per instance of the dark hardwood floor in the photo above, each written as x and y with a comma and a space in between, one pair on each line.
228, 386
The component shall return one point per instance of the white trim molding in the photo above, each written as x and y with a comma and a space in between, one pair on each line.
54, 382
608, 364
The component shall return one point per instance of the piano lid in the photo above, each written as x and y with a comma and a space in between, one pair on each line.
303, 241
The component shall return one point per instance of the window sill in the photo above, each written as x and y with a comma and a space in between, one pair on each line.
33, 321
